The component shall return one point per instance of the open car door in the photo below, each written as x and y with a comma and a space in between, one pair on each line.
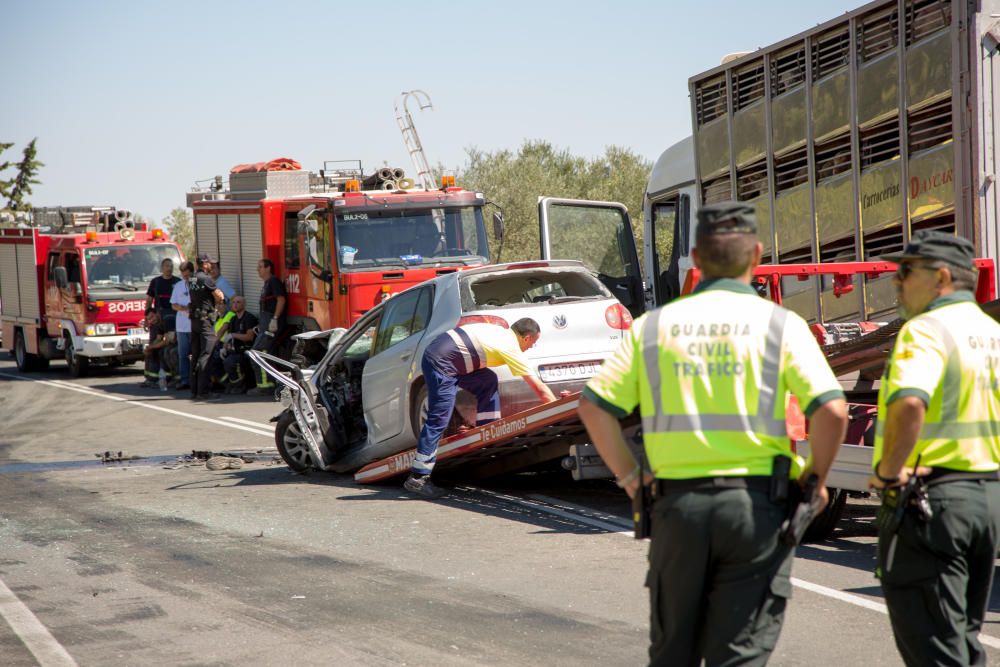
598, 233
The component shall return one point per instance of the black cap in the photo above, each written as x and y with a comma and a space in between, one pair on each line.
205, 257
728, 217
939, 246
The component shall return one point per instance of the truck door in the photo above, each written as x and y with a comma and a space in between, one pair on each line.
666, 242
599, 234
317, 276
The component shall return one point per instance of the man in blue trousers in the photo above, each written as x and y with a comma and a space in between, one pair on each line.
461, 358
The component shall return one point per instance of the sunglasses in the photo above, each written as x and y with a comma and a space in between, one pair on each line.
906, 268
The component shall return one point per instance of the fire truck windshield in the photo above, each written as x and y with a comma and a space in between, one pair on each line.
410, 236
127, 267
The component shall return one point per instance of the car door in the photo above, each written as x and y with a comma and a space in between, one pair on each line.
390, 370
599, 234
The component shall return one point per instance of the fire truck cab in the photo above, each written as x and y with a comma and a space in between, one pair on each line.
78, 296
342, 242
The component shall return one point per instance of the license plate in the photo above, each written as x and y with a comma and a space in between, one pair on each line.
577, 370
136, 333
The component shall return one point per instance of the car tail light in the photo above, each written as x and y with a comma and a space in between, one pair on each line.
483, 319
618, 317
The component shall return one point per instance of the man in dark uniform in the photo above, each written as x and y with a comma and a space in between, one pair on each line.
237, 335
938, 408
273, 300
205, 300
160, 289
710, 374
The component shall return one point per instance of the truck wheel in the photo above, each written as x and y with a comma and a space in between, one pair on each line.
78, 366
26, 362
822, 526
291, 445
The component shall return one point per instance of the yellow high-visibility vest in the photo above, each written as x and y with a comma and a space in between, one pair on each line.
711, 374
949, 357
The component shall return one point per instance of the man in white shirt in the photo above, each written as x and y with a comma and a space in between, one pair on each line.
180, 301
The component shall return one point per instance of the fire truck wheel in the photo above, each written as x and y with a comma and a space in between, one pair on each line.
291, 445
27, 362
822, 526
78, 366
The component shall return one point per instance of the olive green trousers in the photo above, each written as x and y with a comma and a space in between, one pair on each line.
718, 577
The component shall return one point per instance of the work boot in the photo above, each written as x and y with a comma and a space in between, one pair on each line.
261, 391
422, 486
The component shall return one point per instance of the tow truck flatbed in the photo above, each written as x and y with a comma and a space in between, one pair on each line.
532, 436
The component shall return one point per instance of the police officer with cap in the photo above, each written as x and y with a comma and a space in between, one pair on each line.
938, 406
710, 374
206, 298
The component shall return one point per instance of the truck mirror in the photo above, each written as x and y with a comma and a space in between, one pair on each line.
306, 212
62, 280
497, 225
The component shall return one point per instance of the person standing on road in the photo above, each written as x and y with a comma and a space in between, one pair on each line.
710, 374
461, 359
180, 301
206, 298
939, 409
161, 288
273, 300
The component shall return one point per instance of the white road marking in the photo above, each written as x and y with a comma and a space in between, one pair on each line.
35, 636
615, 524
859, 601
264, 427
60, 384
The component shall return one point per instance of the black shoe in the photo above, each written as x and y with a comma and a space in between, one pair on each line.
182, 386
146, 384
211, 396
422, 486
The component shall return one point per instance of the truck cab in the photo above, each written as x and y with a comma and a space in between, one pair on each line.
78, 296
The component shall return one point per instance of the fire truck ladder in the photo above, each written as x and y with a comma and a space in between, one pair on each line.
410, 137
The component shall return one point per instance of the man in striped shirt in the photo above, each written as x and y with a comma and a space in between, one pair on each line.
462, 358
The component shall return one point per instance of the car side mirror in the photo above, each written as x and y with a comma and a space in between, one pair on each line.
62, 280
497, 225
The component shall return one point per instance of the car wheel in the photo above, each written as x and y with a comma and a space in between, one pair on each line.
418, 413
78, 366
291, 445
823, 525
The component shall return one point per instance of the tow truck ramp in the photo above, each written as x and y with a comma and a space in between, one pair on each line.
539, 434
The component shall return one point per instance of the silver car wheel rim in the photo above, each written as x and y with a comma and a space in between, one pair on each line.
295, 445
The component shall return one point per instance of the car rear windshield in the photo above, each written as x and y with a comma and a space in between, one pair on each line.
538, 286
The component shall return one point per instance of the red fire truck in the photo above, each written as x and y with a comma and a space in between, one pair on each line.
78, 295
341, 240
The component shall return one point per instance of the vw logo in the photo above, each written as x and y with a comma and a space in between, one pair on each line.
559, 321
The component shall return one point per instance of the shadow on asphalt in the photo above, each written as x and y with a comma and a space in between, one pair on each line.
471, 501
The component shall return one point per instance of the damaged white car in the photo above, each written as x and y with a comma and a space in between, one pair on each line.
365, 398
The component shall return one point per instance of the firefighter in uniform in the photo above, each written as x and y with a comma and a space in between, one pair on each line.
711, 373
938, 408
273, 302
461, 359
206, 298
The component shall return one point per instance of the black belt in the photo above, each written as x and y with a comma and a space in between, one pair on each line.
944, 475
761, 483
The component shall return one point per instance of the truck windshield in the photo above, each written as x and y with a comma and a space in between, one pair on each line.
410, 237
128, 266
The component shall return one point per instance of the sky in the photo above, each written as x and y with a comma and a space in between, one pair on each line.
132, 102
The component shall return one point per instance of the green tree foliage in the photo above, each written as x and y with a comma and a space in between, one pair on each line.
516, 180
19, 188
4, 166
178, 224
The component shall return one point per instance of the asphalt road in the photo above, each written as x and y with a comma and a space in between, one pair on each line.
162, 562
